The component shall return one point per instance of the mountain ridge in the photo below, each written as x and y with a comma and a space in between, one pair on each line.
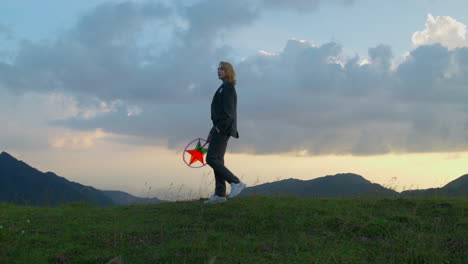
338, 185
123, 198
15, 173
457, 187
52, 189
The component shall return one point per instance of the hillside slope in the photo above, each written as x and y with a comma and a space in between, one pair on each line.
23, 184
257, 229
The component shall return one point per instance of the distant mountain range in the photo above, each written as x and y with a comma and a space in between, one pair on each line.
349, 185
123, 198
22, 184
339, 185
457, 187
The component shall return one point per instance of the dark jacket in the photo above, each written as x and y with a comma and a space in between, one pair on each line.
224, 109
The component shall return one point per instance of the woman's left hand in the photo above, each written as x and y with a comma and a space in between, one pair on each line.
217, 129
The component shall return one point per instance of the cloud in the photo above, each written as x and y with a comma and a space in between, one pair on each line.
360, 109
300, 100
78, 141
303, 5
110, 55
308, 98
444, 30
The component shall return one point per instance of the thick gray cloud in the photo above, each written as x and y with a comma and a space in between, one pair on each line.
106, 56
330, 108
307, 97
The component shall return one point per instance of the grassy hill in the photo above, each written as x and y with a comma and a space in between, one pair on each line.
256, 229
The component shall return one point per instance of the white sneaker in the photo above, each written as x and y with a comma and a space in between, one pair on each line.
236, 188
215, 199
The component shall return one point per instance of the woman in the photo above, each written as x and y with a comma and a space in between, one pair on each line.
224, 118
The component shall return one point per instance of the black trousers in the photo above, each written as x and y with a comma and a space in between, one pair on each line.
215, 158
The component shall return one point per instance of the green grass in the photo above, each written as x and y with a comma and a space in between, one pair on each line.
255, 229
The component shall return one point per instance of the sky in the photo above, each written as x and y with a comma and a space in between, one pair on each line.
108, 93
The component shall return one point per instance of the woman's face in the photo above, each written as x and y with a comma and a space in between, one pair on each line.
221, 72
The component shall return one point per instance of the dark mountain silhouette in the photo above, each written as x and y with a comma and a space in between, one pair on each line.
350, 185
23, 184
339, 185
123, 198
457, 187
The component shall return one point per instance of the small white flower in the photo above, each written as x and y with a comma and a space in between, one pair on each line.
1, 227
22, 232
27, 221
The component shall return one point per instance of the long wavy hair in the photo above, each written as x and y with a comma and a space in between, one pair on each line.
230, 73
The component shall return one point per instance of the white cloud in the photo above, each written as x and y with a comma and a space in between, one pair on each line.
444, 30
134, 110
266, 53
364, 62
85, 108
78, 140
